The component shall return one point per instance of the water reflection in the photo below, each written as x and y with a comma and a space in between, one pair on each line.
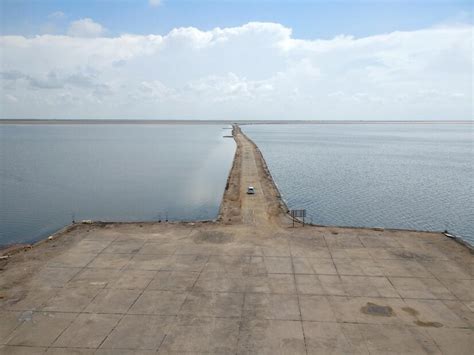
108, 172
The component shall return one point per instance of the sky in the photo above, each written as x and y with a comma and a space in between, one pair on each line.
280, 59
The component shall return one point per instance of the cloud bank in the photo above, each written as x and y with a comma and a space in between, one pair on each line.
85, 28
254, 71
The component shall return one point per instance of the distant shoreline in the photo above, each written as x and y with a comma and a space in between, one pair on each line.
210, 122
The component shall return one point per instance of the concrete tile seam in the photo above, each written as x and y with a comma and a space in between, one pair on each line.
299, 303
123, 315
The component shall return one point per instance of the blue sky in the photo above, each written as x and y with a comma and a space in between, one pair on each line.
308, 19
360, 60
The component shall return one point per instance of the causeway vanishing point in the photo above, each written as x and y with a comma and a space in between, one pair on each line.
247, 283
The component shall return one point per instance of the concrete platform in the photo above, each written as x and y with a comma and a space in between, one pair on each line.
249, 284
177, 289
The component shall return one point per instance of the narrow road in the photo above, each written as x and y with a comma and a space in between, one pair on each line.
261, 208
254, 207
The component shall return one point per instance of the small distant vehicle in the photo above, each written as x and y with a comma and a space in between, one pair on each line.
251, 190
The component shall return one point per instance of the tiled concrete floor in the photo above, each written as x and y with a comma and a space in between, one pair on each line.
208, 288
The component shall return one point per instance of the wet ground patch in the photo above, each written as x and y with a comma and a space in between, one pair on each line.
418, 322
213, 237
377, 310
405, 254
428, 324
411, 311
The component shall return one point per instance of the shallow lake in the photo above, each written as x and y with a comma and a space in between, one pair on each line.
417, 176
50, 174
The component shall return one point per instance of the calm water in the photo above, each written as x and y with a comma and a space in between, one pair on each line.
393, 176
108, 172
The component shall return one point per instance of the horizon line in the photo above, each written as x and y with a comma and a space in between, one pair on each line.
208, 121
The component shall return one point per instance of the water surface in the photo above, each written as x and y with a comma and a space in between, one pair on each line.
50, 173
417, 176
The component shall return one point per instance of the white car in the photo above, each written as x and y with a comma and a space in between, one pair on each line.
251, 190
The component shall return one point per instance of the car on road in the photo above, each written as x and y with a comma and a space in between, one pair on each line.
251, 190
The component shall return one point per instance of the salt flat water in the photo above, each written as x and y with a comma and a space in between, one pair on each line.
50, 173
409, 176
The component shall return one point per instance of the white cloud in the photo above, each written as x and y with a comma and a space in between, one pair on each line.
257, 70
48, 28
11, 98
51, 26
85, 28
155, 2
57, 15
